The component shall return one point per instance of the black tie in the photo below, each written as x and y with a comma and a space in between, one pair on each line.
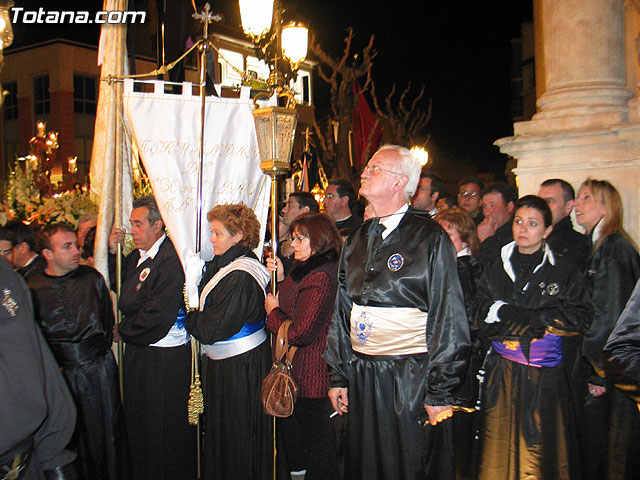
375, 234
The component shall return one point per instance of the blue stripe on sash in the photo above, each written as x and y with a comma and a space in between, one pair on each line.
247, 329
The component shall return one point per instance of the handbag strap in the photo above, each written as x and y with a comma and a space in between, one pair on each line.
282, 343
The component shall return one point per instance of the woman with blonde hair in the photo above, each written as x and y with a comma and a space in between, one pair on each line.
230, 324
610, 427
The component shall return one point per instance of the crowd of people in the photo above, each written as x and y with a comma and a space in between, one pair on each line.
468, 336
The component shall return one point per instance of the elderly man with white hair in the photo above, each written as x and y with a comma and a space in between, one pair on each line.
399, 338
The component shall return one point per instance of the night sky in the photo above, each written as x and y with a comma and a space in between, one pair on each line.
460, 51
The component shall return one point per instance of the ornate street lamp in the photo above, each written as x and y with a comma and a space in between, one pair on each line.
6, 35
275, 126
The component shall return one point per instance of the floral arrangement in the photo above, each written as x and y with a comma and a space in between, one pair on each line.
24, 202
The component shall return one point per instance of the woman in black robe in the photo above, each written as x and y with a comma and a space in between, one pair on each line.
461, 229
230, 325
610, 424
528, 300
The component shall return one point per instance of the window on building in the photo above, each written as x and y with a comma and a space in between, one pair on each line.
306, 90
85, 98
83, 148
41, 96
302, 88
11, 100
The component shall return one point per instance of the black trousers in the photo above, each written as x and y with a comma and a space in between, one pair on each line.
306, 440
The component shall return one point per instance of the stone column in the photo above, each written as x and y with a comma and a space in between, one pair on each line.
583, 42
582, 127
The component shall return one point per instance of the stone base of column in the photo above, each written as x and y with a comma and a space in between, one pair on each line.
603, 152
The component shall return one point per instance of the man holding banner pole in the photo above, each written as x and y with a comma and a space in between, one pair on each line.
157, 359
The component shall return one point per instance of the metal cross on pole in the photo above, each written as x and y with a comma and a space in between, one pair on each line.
205, 17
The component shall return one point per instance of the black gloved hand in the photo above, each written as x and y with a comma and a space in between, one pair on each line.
517, 321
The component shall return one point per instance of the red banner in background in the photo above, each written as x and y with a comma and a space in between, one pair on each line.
363, 122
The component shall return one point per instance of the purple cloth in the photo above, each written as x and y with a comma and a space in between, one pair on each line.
545, 352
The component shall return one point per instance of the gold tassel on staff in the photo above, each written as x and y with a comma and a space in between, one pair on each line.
195, 405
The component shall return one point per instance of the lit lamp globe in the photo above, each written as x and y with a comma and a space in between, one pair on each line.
6, 32
256, 16
275, 129
421, 155
295, 41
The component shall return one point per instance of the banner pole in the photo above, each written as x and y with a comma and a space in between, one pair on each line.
118, 187
205, 17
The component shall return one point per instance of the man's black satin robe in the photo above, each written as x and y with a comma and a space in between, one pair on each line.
156, 379
76, 317
387, 436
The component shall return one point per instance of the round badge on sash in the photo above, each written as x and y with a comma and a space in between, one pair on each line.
144, 274
395, 262
553, 289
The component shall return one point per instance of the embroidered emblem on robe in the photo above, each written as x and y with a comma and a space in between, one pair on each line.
363, 328
144, 274
511, 344
9, 303
395, 262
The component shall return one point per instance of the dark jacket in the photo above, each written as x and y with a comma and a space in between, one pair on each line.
307, 297
151, 294
469, 270
34, 268
611, 276
622, 352
352, 223
555, 295
568, 243
490, 248
37, 411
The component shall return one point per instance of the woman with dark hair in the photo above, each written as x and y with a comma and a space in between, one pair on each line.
230, 325
528, 300
306, 297
461, 229
610, 426
86, 251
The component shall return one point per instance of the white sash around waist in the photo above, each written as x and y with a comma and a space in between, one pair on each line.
388, 330
231, 348
177, 336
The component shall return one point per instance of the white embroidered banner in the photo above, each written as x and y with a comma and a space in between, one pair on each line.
165, 129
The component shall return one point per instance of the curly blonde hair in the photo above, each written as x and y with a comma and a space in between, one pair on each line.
464, 225
237, 217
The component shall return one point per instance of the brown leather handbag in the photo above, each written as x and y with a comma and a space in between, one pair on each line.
279, 389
